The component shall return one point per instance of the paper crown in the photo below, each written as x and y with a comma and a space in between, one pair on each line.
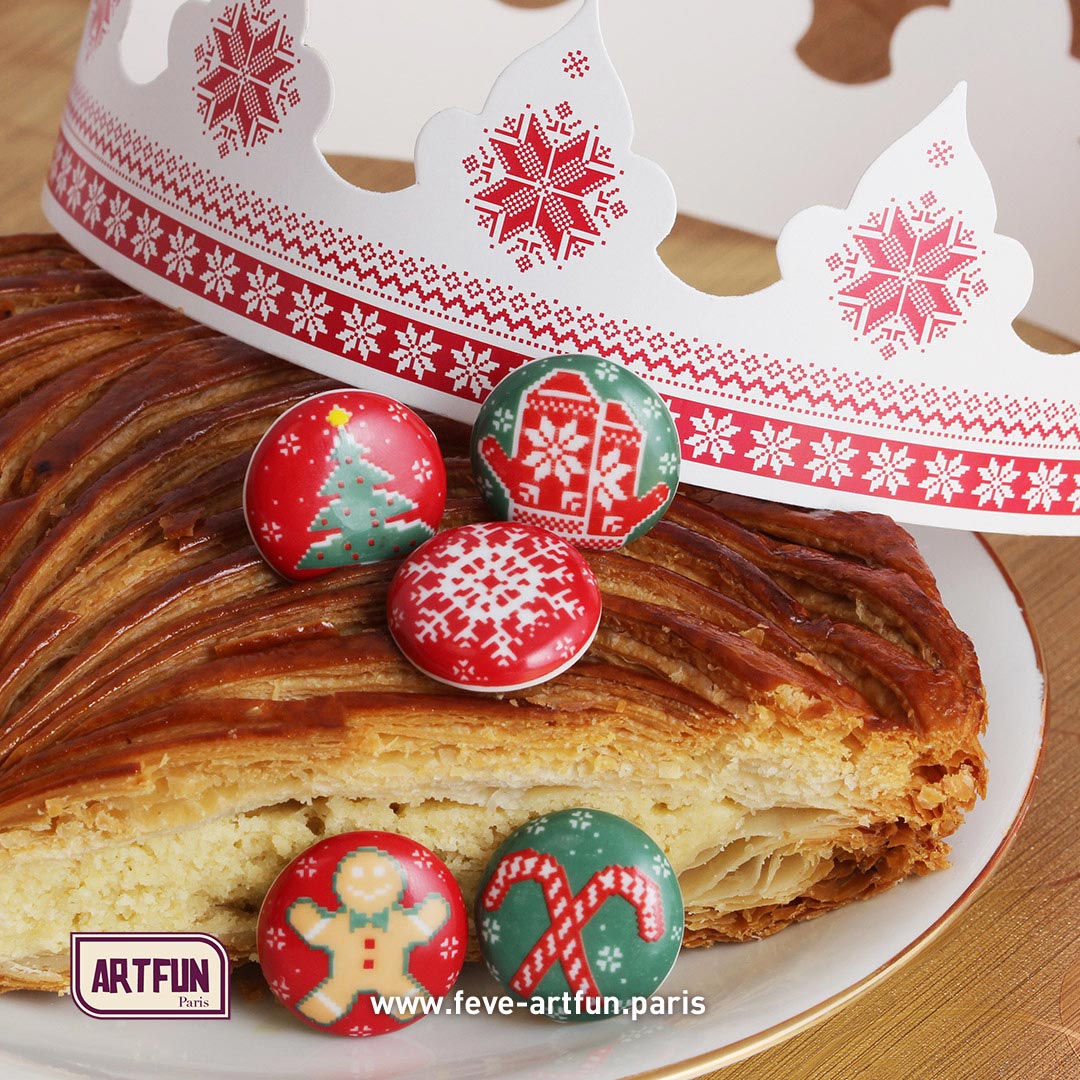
881, 372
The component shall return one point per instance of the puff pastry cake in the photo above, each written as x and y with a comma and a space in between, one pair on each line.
776, 695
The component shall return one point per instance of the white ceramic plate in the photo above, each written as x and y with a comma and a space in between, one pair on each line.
757, 994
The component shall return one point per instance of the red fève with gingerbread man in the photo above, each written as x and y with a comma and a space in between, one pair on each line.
359, 917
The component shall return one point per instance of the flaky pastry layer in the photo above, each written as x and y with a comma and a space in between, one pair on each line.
776, 695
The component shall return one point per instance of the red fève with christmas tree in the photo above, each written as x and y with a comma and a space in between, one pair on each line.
343, 478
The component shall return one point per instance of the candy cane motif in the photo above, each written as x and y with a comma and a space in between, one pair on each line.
569, 914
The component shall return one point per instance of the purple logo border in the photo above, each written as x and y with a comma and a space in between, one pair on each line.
223, 1013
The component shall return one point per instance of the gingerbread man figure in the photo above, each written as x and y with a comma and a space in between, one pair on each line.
368, 938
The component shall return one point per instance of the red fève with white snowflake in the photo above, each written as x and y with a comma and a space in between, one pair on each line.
361, 916
344, 478
495, 606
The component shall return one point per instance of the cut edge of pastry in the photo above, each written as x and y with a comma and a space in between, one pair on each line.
184, 843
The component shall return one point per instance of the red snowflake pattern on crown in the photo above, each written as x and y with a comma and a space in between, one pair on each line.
546, 186
908, 275
940, 153
246, 84
576, 64
97, 23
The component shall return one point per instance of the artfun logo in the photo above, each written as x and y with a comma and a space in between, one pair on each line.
150, 976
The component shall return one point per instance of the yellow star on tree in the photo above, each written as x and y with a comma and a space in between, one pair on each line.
338, 417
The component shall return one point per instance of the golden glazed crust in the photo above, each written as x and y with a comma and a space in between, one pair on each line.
777, 695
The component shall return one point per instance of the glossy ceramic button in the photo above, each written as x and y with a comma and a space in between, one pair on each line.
496, 606
359, 915
343, 478
579, 903
580, 446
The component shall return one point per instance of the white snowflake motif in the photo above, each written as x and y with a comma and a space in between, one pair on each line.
649, 410
119, 216
276, 938
554, 450
464, 670
580, 819
422, 859
997, 481
536, 827
676, 932
78, 182
62, 164
609, 958
361, 332
416, 352
1045, 485
609, 475
943, 477
180, 258
421, 470
661, 867
1074, 498
262, 293
358, 1030
503, 420
772, 448
147, 231
289, 444
831, 458
95, 199
308, 315
308, 866
714, 435
526, 583
669, 463
450, 948
472, 369
491, 930
280, 987
606, 371
220, 270
889, 468
271, 530
565, 648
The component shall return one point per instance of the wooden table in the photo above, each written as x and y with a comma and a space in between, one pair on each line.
998, 996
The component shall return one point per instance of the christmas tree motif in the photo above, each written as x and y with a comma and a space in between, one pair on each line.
575, 465
365, 516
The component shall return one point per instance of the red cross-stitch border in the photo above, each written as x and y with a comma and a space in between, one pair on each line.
522, 318
735, 440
